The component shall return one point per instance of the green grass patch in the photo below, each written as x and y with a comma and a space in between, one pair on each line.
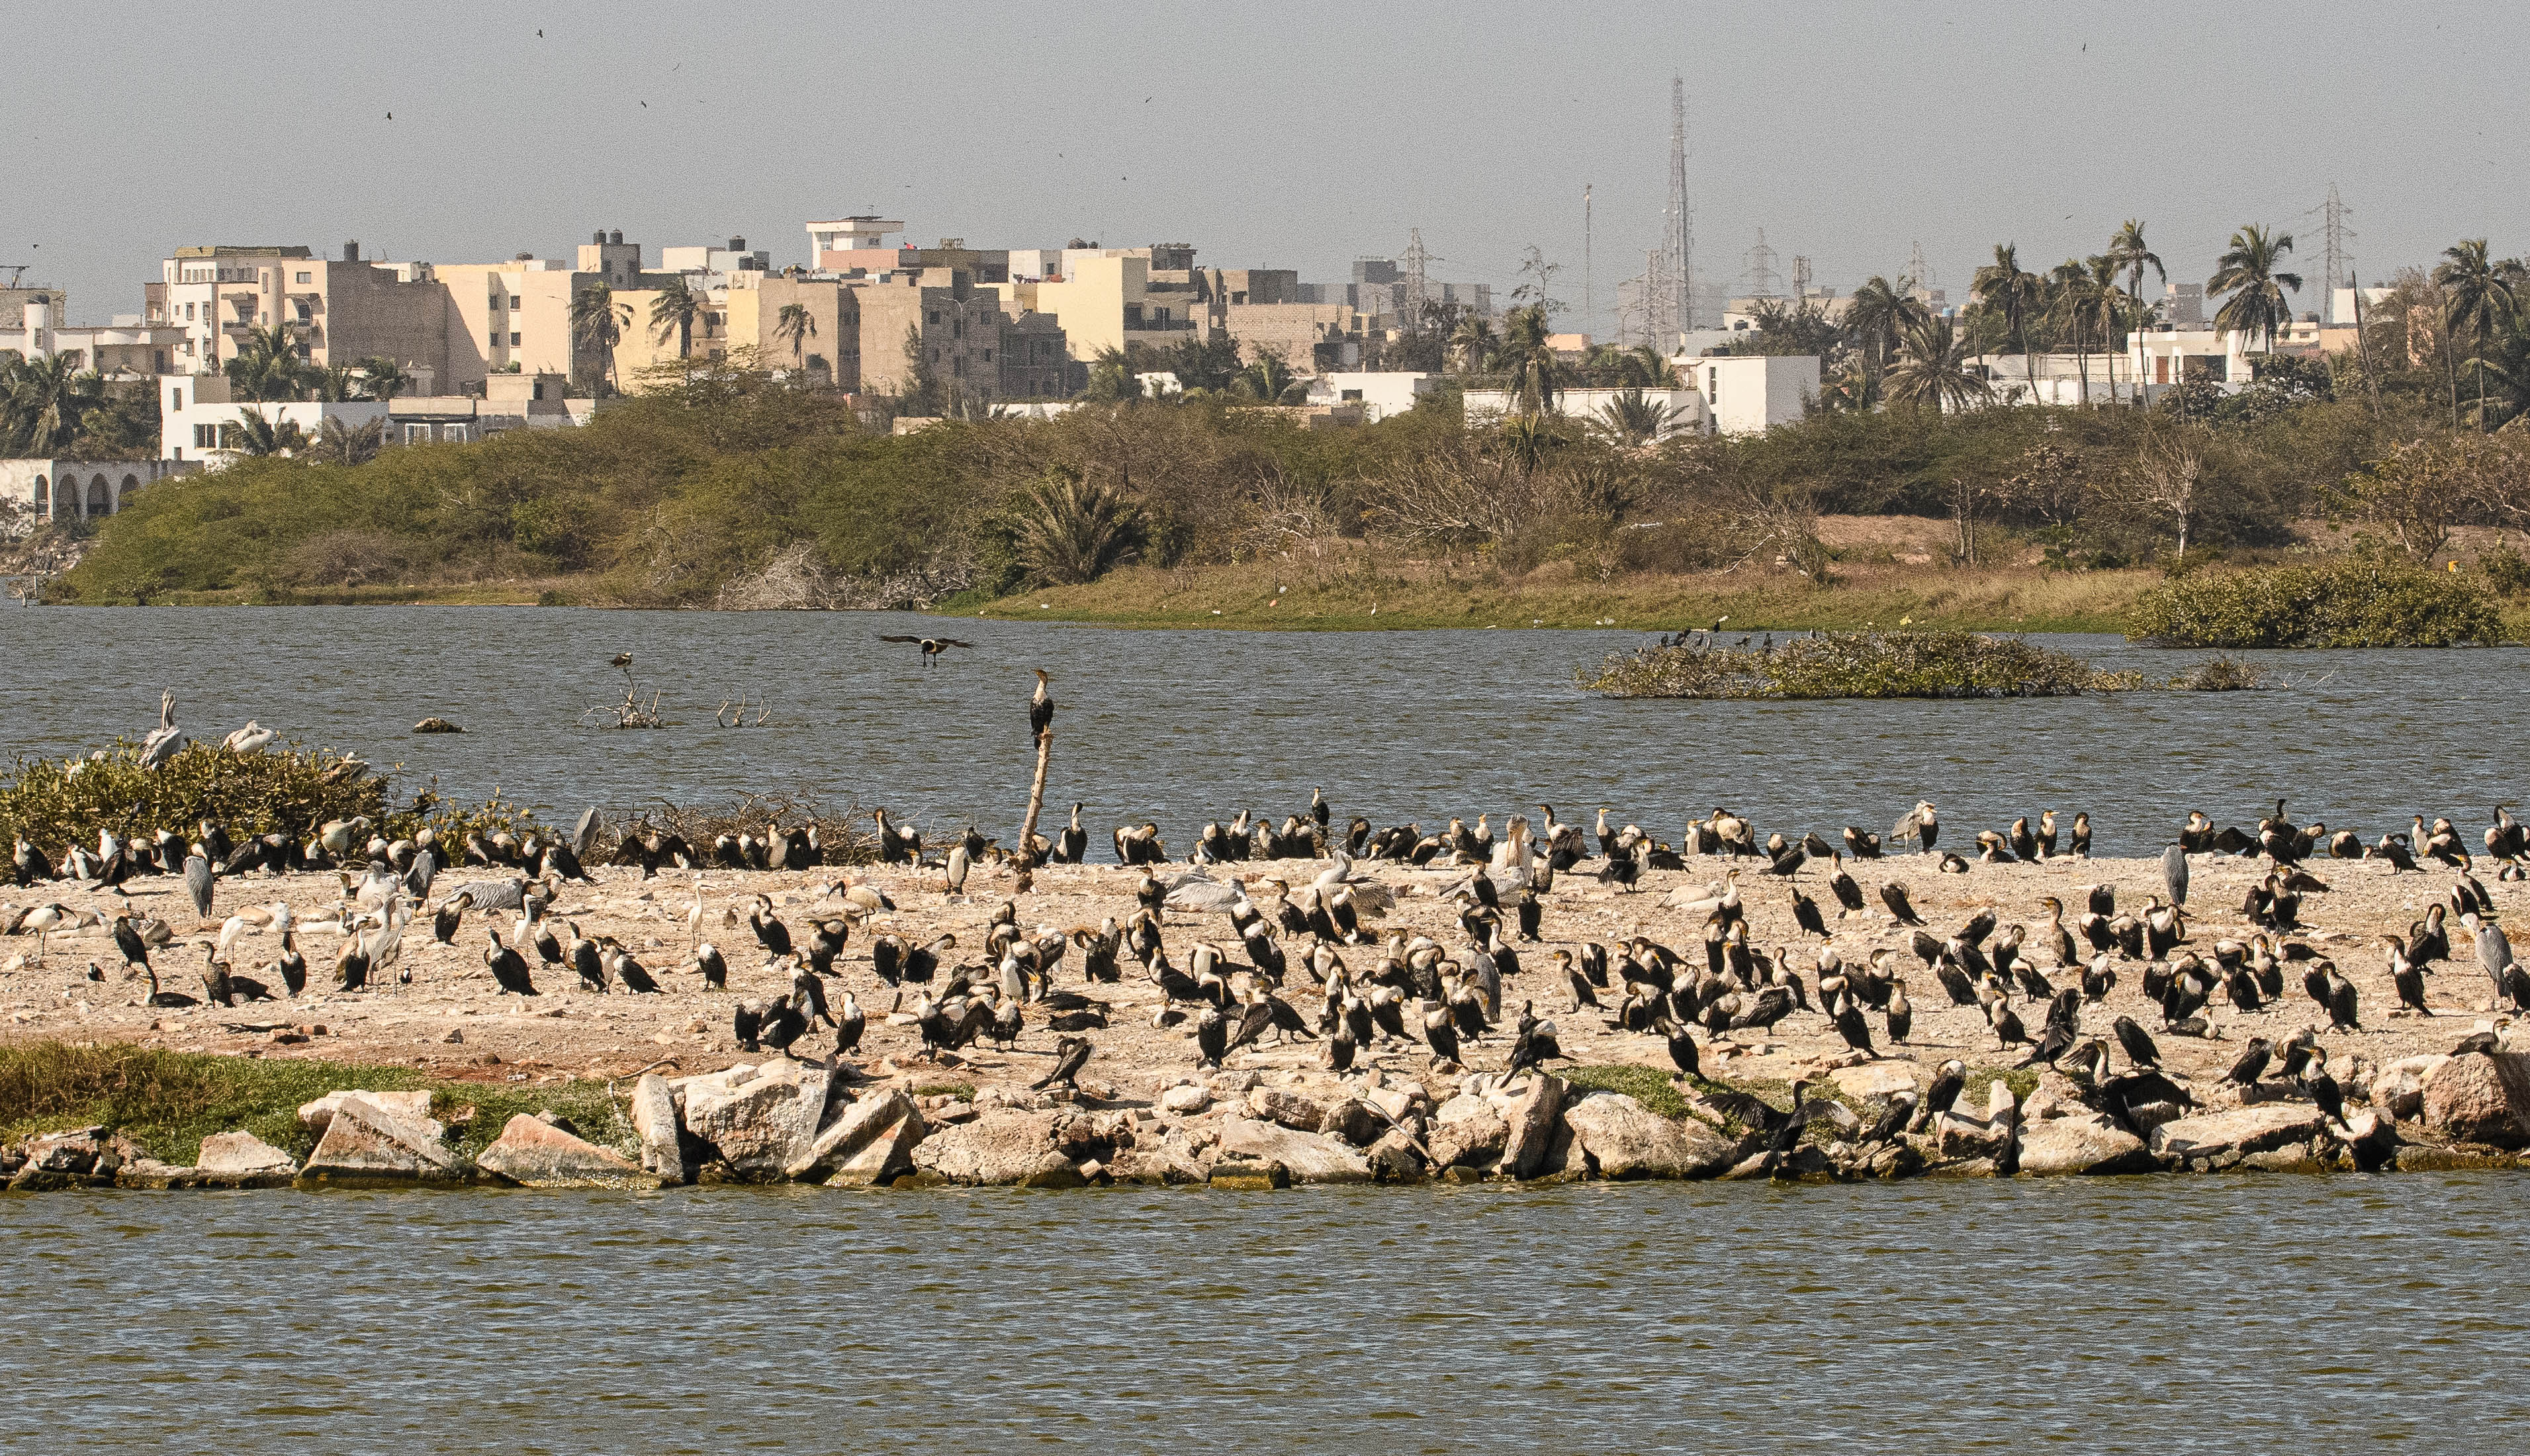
962, 1090
2360, 601
1976, 1088
1855, 664
168, 1101
1649, 1086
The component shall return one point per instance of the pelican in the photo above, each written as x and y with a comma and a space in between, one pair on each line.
254, 737
167, 739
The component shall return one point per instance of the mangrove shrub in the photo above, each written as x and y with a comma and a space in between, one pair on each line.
2354, 603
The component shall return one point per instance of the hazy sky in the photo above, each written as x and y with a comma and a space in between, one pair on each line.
1288, 135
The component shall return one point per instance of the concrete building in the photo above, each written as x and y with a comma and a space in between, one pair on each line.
1688, 415
339, 312
126, 349
846, 245
199, 420
1037, 360
74, 489
706, 259
1104, 299
1377, 394
954, 330
1312, 338
1749, 394
828, 355
14, 301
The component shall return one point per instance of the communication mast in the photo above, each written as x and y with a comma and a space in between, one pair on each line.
1671, 306
2339, 256
1418, 264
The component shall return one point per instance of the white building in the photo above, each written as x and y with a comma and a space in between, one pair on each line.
1379, 393
32, 490
1686, 410
126, 349
199, 421
1746, 394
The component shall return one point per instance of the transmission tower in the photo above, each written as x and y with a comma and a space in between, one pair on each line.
2339, 255
1418, 264
1585, 257
1918, 271
1761, 269
1671, 306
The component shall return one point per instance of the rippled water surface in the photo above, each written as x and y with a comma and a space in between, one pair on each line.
1185, 725
2219, 1313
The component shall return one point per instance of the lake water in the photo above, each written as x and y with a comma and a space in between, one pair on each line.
2235, 1312
1187, 725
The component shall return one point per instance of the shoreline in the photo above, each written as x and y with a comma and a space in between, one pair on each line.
653, 1083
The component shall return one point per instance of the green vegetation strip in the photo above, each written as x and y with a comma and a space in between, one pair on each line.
1856, 664
168, 1101
2363, 602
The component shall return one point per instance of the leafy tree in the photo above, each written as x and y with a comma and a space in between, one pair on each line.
1111, 378
2006, 288
1788, 329
1208, 365
2479, 294
1931, 369
597, 325
2250, 271
1268, 380
921, 395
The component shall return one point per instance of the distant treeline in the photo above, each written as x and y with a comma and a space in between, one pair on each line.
730, 488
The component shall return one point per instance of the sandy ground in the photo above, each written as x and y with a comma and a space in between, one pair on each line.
452, 1021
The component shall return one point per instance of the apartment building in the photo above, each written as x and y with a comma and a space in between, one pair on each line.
338, 312
126, 349
827, 352
937, 319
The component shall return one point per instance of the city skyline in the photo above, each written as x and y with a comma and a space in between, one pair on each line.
1302, 143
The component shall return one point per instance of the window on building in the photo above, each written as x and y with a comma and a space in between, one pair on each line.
514, 341
205, 436
417, 434
453, 433
988, 356
189, 311
306, 277
176, 400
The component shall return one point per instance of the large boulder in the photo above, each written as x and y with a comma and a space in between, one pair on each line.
1532, 1118
1466, 1132
868, 1142
535, 1154
2399, 1089
242, 1159
367, 1144
1282, 1106
1001, 1145
2081, 1142
411, 1106
752, 1128
1617, 1138
1880, 1078
2483, 1097
2211, 1142
665, 1149
1310, 1157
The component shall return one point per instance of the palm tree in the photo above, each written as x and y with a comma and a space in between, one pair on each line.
676, 310
1111, 378
2247, 271
2103, 309
2002, 287
1064, 531
794, 326
2069, 286
1634, 418
259, 434
1268, 380
2477, 294
1531, 359
267, 365
597, 324
1879, 314
1644, 367
346, 445
2129, 255
336, 383
382, 378
1472, 344
42, 403
1932, 367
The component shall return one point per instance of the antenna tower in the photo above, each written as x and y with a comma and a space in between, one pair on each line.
1418, 263
1671, 306
1761, 269
2339, 255
1919, 271
1585, 257
1801, 276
